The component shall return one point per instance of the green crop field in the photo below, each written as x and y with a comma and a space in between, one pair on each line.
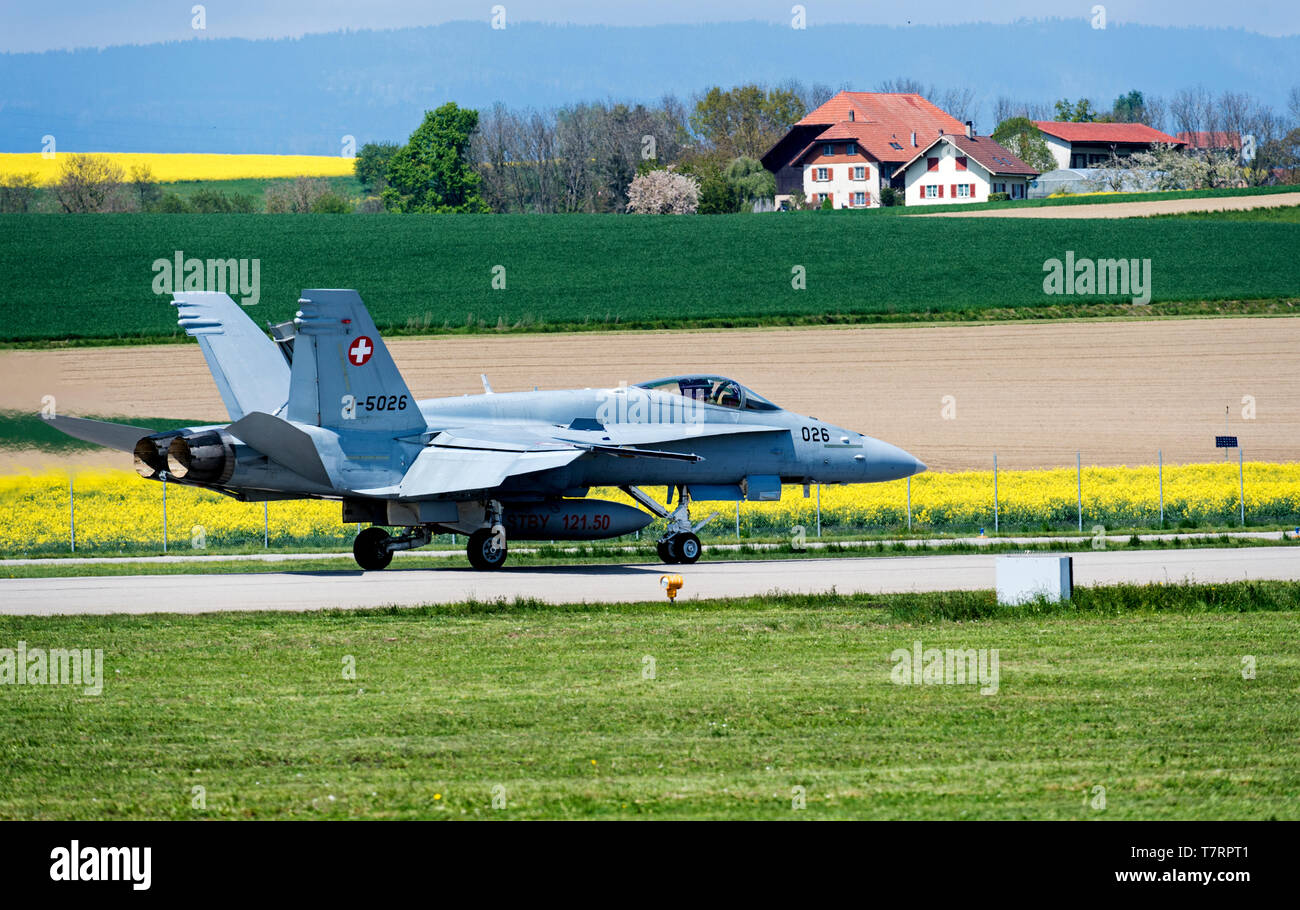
90, 277
702, 709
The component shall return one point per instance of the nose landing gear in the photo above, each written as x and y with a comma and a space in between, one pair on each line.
679, 543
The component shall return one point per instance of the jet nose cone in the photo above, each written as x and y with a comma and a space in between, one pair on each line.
889, 462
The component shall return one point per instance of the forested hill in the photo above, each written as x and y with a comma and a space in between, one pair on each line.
304, 95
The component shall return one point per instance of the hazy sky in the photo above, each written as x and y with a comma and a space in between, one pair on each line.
28, 26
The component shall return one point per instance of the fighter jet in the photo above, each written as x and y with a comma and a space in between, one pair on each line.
320, 411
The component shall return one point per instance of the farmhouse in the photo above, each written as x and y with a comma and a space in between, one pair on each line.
848, 149
1083, 145
963, 168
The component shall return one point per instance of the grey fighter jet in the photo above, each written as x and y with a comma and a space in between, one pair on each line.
320, 411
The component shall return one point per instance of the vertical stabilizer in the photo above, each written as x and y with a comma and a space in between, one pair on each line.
342, 375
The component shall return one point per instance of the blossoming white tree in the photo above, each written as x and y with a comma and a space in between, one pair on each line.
663, 193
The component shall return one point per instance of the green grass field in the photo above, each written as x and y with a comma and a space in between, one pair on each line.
1137, 690
90, 277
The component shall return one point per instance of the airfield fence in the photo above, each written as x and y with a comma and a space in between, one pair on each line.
122, 516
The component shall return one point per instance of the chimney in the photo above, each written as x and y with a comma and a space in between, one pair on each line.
970, 129
850, 115
913, 138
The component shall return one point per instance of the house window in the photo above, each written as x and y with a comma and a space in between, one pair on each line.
851, 149
961, 162
860, 173
963, 190
932, 164
823, 173
859, 198
828, 149
931, 191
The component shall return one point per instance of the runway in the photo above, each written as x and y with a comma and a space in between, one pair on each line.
609, 584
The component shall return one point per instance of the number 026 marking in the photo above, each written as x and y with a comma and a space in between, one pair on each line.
816, 434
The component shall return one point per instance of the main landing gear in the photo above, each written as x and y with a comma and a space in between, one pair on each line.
374, 547
679, 543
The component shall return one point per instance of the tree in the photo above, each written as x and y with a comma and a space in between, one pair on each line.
371, 164
145, 186
745, 120
89, 183
17, 192
1081, 112
751, 180
663, 193
718, 196
1023, 139
432, 172
295, 196
1129, 108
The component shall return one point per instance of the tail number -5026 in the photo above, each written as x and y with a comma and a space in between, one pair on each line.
384, 403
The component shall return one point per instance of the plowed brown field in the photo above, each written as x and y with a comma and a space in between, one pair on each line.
1034, 393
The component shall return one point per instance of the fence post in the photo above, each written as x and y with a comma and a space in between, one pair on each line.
995, 492
72, 513
164, 483
266, 526
1160, 461
819, 510
1078, 476
737, 519
1241, 480
909, 503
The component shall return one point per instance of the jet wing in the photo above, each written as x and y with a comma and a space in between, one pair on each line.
483, 456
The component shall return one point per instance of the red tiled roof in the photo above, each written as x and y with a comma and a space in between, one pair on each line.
902, 113
988, 154
1123, 133
872, 138
1211, 140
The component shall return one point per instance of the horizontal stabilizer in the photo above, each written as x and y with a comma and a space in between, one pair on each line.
120, 436
281, 442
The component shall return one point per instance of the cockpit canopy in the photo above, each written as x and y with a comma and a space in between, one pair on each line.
715, 390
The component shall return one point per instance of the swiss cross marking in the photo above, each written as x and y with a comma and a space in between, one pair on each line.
360, 351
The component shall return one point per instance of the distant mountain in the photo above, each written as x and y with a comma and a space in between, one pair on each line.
303, 95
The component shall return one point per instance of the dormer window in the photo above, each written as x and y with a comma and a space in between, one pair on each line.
828, 148
851, 148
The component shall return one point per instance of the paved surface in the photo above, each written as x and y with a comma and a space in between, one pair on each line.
317, 590
916, 543
1135, 209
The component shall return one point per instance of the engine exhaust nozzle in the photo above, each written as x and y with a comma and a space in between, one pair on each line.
202, 458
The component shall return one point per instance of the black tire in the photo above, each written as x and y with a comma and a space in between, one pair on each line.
687, 547
482, 552
369, 551
667, 552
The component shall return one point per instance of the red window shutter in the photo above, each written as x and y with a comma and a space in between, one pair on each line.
954, 191
941, 191
961, 162
932, 164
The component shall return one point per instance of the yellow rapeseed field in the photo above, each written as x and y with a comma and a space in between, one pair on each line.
118, 511
169, 168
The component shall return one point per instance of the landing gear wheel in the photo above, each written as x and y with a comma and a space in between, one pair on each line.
371, 551
484, 554
667, 550
687, 547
